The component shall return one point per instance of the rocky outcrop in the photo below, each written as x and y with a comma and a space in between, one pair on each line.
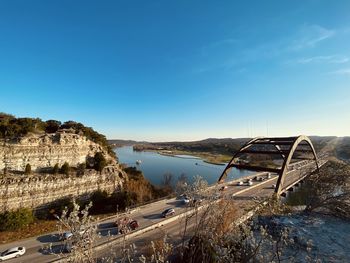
38, 190
45, 150
42, 152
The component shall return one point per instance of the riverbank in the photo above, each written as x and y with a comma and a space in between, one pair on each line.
210, 158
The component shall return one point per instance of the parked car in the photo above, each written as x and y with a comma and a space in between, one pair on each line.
14, 252
168, 212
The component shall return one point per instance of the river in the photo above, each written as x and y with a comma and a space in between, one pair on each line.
154, 166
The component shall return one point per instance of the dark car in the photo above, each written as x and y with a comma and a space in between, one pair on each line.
133, 225
126, 225
168, 212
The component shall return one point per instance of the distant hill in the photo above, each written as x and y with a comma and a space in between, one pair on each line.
335, 146
343, 149
120, 143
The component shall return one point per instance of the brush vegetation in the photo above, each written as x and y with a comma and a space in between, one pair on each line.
12, 128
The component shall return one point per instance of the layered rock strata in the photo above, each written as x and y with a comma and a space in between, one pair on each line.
38, 190
45, 150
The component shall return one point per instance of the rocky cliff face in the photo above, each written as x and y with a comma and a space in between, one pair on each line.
44, 151
38, 190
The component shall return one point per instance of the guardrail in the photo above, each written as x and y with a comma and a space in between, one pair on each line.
136, 208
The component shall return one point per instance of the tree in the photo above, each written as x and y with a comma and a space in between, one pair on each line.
100, 161
84, 233
52, 126
55, 169
65, 168
329, 189
182, 185
81, 168
167, 179
99, 201
199, 185
28, 169
14, 220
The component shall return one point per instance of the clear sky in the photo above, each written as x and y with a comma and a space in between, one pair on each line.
179, 70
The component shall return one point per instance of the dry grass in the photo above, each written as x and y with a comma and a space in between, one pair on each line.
38, 228
157, 245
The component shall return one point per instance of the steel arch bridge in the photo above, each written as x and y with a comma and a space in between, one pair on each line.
284, 148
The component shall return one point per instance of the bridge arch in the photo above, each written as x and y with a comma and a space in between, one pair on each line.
285, 147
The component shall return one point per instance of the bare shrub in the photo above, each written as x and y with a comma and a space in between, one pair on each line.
217, 239
158, 251
83, 233
329, 189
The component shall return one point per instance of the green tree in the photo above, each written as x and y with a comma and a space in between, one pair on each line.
100, 200
123, 199
28, 169
55, 169
100, 161
52, 126
65, 168
16, 219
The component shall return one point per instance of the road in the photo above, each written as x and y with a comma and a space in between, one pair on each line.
245, 196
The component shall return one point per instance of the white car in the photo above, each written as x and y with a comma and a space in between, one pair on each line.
168, 212
14, 252
66, 236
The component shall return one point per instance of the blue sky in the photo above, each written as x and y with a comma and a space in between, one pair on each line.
179, 70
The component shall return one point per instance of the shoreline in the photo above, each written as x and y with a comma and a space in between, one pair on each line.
189, 155
206, 157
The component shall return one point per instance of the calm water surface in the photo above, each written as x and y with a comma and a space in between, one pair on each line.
154, 166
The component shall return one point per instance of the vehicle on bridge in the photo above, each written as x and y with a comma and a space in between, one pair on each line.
290, 153
14, 252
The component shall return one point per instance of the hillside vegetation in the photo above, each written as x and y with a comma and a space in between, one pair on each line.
12, 128
222, 150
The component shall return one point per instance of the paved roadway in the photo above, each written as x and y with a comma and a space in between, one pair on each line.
244, 196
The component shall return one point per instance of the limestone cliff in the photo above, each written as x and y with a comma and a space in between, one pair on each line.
45, 150
43, 145
38, 190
